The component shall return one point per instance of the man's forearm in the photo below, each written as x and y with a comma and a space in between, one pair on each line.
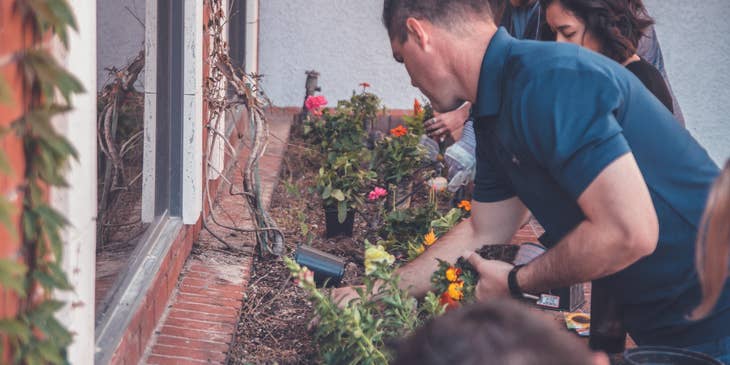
491, 223
589, 252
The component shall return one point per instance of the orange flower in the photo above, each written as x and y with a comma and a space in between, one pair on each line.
445, 299
452, 274
429, 238
456, 290
465, 204
399, 131
417, 109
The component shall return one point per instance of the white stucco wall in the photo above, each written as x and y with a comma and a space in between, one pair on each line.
342, 39
695, 40
120, 35
345, 41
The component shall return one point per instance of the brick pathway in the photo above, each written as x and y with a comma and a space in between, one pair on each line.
200, 320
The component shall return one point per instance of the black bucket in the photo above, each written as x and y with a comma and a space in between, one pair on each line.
328, 269
660, 355
334, 227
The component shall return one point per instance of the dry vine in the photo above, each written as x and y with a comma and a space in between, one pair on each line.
115, 92
244, 92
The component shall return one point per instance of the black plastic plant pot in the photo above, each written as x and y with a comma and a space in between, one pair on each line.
334, 227
328, 269
660, 355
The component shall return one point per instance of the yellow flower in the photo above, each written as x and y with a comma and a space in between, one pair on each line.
465, 204
452, 274
420, 249
456, 290
376, 254
429, 238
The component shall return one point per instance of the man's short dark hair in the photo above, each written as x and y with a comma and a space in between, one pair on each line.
448, 13
501, 332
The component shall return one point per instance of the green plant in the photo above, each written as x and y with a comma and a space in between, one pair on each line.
357, 332
35, 336
398, 156
342, 183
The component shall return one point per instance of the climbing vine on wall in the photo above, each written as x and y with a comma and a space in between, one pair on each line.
34, 335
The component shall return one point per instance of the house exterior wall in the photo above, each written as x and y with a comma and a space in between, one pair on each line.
121, 34
345, 41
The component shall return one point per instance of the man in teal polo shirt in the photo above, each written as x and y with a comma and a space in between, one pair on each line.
616, 182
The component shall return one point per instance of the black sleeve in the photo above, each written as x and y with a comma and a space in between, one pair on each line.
653, 80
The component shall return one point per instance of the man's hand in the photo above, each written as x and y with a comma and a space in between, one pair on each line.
448, 123
342, 296
492, 277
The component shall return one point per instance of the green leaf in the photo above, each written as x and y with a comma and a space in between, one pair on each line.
50, 352
15, 328
12, 275
6, 94
341, 211
338, 195
327, 192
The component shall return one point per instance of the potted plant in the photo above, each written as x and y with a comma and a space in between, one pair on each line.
396, 159
340, 184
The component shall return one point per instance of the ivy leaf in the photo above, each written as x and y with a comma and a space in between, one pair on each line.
12, 276
15, 328
6, 94
50, 352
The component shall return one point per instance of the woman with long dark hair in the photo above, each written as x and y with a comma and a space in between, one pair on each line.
612, 28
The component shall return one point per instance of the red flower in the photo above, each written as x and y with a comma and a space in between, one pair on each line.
399, 131
417, 109
450, 303
315, 103
364, 85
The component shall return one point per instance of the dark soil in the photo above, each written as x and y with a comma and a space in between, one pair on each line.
273, 324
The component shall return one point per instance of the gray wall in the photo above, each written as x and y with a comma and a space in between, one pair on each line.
695, 40
345, 41
342, 39
120, 36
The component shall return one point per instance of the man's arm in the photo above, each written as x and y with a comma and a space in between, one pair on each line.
490, 223
620, 228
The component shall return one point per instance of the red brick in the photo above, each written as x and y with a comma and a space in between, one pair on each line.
149, 322
198, 354
193, 344
199, 325
164, 360
160, 297
215, 301
201, 335
206, 308
209, 292
200, 316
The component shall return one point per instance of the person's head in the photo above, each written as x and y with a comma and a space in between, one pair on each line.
431, 37
610, 27
498, 332
713, 244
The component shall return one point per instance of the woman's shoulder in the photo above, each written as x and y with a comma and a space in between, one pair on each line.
653, 80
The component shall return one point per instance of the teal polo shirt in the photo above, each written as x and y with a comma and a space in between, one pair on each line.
549, 118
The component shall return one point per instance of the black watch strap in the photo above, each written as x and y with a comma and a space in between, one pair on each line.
514, 287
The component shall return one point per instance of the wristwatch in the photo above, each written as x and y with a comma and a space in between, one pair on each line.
514, 287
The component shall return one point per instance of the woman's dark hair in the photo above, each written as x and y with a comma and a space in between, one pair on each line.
501, 332
617, 25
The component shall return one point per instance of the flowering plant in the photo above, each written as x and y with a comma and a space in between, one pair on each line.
314, 104
341, 184
377, 193
356, 333
455, 283
398, 155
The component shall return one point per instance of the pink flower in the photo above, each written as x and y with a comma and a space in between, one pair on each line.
377, 193
315, 103
304, 278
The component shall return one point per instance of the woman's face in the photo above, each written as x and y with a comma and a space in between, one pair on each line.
569, 28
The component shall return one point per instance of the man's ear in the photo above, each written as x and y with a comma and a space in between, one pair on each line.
419, 31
